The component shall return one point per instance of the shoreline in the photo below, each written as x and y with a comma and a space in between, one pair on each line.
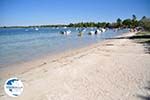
112, 69
47, 58
40, 61
18, 56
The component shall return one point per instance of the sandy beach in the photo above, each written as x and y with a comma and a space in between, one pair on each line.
115, 69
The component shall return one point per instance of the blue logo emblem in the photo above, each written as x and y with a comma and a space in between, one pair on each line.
13, 87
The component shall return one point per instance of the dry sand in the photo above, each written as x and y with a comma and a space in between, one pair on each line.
115, 69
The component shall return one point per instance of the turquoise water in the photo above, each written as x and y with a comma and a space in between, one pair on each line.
20, 44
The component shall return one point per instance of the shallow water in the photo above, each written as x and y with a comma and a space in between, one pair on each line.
23, 44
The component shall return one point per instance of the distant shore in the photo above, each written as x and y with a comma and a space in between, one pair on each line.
113, 69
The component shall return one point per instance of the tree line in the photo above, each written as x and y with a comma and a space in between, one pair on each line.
144, 22
133, 22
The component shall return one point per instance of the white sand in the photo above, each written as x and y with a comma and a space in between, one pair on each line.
111, 70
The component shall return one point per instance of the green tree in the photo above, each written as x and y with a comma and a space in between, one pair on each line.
119, 22
71, 25
134, 21
145, 23
108, 25
127, 23
134, 17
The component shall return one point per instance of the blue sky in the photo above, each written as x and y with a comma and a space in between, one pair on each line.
37, 12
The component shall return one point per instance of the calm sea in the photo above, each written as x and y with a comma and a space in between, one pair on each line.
23, 44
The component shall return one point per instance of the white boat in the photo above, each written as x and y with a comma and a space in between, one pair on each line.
83, 30
77, 28
103, 30
98, 31
91, 33
36, 29
57, 27
68, 32
65, 27
65, 32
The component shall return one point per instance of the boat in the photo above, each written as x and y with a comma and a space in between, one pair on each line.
57, 27
77, 28
65, 32
103, 30
84, 30
65, 27
81, 30
62, 32
36, 29
68, 32
98, 31
91, 33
